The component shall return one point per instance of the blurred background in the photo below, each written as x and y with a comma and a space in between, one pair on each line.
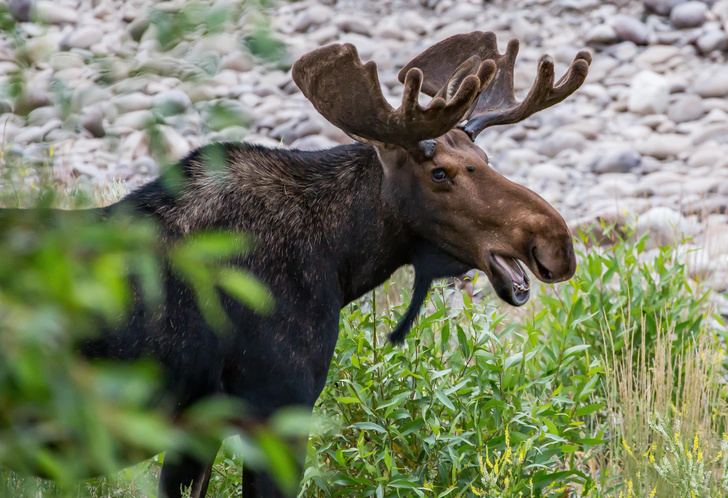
98, 96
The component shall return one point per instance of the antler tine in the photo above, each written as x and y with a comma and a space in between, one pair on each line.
347, 93
497, 104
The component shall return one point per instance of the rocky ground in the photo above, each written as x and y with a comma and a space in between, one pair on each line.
644, 142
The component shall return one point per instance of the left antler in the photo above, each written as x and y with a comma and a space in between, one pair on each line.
497, 103
347, 93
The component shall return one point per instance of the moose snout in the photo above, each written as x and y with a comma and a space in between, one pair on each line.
553, 260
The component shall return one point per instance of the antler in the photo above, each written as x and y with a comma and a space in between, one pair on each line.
497, 104
347, 93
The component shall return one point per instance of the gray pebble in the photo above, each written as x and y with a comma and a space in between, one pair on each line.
562, 140
631, 29
714, 39
686, 108
712, 84
688, 15
618, 162
313, 142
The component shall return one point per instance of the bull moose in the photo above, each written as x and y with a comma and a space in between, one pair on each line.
331, 225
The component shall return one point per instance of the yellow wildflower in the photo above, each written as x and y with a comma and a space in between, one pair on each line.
695, 443
626, 446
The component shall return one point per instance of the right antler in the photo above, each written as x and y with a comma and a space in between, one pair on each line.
347, 93
497, 104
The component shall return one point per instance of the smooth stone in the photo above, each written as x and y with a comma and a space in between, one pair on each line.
624, 51
137, 28
349, 23
41, 115
548, 173
662, 146
631, 29
618, 162
308, 127
66, 60
717, 132
714, 39
313, 142
602, 34
172, 102
137, 120
88, 94
86, 169
145, 165
705, 157
21, 9
561, 140
713, 84
662, 7
237, 60
30, 99
657, 54
82, 38
664, 226
49, 11
686, 108
315, 15
689, 15
516, 160
131, 102
30, 134
649, 93
173, 142
93, 121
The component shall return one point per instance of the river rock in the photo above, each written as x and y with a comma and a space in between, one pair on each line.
20, 9
314, 15
171, 102
618, 162
53, 13
662, 7
82, 38
602, 34
662, 146
664, 226
562, 140
649, 93
714, 84
93, 121
686, 108
631, 29
688, 15
714, 39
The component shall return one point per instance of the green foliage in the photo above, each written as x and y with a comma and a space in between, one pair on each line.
465, 388
194, 18
618, 290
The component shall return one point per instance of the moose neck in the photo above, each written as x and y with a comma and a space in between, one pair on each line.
373, 240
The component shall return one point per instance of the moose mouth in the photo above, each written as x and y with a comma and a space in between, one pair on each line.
509, 280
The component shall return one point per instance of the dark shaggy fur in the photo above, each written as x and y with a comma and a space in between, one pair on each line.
323, 237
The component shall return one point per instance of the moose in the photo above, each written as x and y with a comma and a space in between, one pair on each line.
331, 225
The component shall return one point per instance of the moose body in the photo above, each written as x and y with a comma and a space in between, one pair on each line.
331, 225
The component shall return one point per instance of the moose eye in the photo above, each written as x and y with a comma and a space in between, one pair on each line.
439, 175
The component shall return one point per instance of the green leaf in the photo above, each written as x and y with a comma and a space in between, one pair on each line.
586, 410
369, 426
444, 400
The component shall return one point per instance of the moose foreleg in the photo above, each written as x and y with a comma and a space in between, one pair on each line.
180, 472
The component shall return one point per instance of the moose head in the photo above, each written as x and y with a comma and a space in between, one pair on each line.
435, 177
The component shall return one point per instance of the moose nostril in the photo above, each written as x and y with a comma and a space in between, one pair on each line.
546, 274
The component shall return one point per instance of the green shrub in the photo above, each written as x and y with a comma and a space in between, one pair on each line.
467, 407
